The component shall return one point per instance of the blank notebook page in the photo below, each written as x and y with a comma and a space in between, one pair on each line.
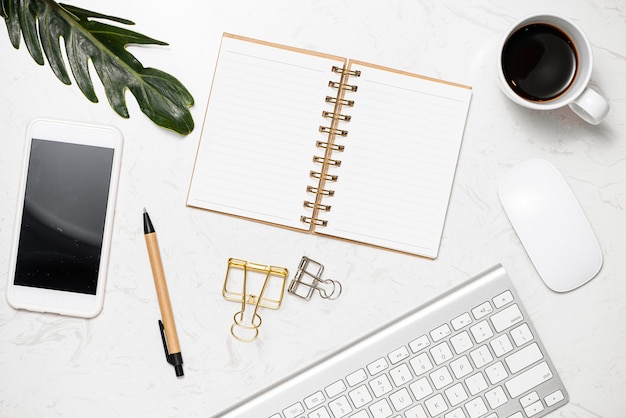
400, 157
260, 129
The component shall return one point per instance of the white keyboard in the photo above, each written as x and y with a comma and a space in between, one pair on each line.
470, 353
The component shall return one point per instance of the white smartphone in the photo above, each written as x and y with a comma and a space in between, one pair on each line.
64, 218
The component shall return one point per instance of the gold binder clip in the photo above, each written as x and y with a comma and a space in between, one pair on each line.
308, 279
264, 288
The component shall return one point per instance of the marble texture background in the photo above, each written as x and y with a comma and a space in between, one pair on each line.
113, 365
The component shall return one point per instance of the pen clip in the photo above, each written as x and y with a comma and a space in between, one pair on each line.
167, 352
175, 359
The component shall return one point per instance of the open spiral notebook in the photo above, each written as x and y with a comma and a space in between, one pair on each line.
336, 147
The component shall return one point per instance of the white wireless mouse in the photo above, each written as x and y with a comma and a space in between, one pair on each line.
550, 224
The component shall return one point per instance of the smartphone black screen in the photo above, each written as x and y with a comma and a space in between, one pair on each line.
60, 241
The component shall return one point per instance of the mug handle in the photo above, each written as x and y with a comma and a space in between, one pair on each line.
590, 106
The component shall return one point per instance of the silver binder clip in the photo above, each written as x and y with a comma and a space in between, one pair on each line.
308, 279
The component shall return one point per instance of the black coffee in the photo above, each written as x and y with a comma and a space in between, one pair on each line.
539, 62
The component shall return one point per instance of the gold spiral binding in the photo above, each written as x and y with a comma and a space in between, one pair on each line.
313, 221
322, 160
339, 70
327, 177
335, 131
342, 86
342, 102
318, 191
336, 116
333, 115
334, 147
312, 205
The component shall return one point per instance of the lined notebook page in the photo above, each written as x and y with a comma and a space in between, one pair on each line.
260, 130
400, 157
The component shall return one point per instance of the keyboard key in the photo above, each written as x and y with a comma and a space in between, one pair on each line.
534, 409
380, 385
381, 409
461, 321
360, 396
401, 399
506, 318
419, 344
461, 367
521, 335
529, 379
360, 414
554, 398
456, 413
440, 332
320, 413
400, 375
416, 412
436, 405
441, 353
502, 299
461, 342
481, 332
476, 408
482, 310
456, 394
496, 397
524, 357
314, 400
294, 410
529, 399
501, 345
476, 383
398, 355
441, 378
357, 377
481, 356
340, 407
377, 366
421, 364
335, 389
421, 388
496, 372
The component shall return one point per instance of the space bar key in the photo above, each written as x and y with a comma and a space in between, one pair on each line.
529, 379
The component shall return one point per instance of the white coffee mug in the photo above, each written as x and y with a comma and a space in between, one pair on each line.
584, 101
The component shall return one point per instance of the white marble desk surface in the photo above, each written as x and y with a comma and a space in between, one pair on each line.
113, 365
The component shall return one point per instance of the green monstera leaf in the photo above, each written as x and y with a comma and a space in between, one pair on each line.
43, 23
